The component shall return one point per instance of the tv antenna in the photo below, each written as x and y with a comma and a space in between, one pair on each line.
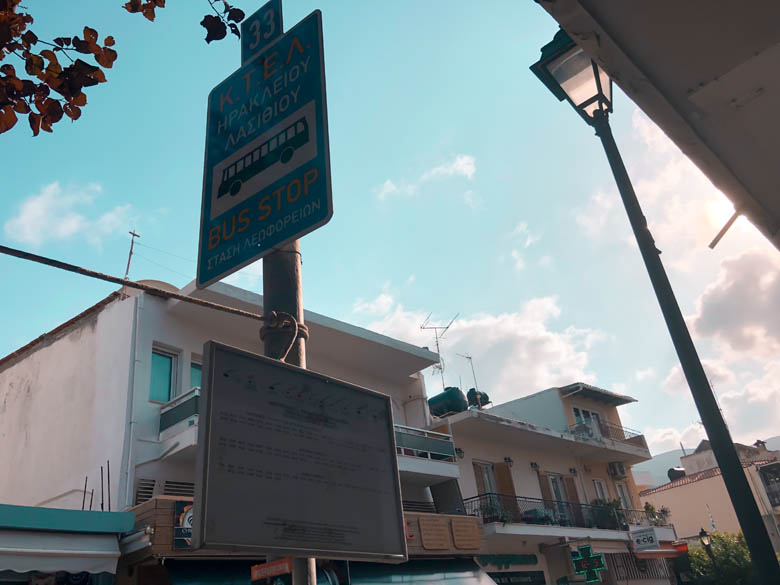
471, 363
436, 331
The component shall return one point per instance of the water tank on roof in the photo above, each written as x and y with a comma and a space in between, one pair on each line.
450, 401
675, 473
477, 398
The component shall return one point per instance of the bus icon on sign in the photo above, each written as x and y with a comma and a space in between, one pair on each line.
272, 155
279, 148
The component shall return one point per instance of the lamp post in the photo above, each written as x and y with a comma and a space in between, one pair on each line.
571, 75
704, 538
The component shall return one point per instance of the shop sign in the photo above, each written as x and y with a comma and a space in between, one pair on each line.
182, 525
644, 538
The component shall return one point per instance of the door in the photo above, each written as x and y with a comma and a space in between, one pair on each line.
561, 506
485, 477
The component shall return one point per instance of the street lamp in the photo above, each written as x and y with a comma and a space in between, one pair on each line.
572, 75
704, 538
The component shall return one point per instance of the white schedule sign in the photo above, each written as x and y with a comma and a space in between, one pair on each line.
294, 463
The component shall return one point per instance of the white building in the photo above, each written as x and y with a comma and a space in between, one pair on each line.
118, 386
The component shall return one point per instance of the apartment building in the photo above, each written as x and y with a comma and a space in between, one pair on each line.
118, 386
698, 498
550, 472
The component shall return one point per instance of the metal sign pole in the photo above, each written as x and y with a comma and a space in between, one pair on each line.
283, 294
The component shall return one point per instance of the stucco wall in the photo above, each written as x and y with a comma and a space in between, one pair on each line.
543, 408
62, 413
688, 505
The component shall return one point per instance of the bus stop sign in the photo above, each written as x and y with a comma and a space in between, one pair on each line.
266, 177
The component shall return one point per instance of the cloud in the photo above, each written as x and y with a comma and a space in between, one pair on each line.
741, 308
599, 213
644, 374
546, 261
753, 408
381, 305
518, 260
522, 233
514, 353
462, 165
718, 374
55, 214
665, 439
250, 277
390, 189
473, 200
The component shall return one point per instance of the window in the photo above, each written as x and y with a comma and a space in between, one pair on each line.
264, 150
601, 489
232, 171
256, 155
577, 416
281, 138
290, 132
272, 144
240, 165
163, 379
195, 375
588, 417
622, 491
248, 160
486, 477
300, 126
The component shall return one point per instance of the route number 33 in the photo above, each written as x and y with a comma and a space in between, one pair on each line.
263, 28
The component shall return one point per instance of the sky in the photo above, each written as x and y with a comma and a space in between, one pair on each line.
460, 186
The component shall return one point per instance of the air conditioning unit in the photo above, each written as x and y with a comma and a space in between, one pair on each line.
617, 470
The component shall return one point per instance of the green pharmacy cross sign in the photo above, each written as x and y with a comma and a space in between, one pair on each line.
588, 564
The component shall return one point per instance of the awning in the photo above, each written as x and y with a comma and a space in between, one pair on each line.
601, 546
662, 552
435, 572
32, 550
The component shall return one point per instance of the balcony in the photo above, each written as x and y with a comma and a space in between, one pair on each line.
605, 430
521, 510
425, 457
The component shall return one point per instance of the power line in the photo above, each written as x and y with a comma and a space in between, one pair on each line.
164, 252
163, 266
129, 283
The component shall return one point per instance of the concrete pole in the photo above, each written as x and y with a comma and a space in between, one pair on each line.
283, 293
748, 514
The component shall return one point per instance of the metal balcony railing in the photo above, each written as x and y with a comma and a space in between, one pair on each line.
608, 430
180, 408
414, 442
521, 510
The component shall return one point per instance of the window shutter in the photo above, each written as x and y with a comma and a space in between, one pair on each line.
478, 477
506, 489
544, 485
571, 495
504, 483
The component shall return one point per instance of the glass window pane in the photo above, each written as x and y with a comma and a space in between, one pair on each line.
240, 165
162, 373
272, 144
574, 73
264, 150
290, 132
300, 126
255, 155
577, 415
282, 139
195, 375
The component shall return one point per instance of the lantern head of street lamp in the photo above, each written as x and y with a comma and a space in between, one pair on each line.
704, 538
571, 75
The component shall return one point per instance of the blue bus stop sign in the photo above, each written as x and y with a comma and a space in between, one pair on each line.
266, 178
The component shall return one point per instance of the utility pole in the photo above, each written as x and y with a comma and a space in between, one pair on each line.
285, 338
133, 236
